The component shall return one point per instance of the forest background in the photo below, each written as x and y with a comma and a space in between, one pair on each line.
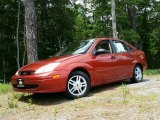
60, 22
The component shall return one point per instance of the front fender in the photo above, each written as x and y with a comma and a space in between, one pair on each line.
85, 66
79, 65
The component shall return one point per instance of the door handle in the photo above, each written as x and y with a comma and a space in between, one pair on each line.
113, 57
129, 55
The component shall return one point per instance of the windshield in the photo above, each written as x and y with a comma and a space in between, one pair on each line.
80, 47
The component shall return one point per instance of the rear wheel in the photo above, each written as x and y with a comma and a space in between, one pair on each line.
137, 74
78, 85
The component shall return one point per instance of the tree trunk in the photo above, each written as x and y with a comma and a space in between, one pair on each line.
17, 35
25, 49
132, 18
31, 31
59, 42
114, 27
4, 71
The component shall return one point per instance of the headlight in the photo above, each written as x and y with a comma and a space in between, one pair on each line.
47, 68
17, 72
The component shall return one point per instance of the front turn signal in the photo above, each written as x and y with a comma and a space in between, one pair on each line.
56, 76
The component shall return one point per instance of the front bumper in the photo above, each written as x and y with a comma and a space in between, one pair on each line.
42, 83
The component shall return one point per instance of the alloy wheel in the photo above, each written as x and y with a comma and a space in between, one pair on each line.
77, 85
138, 74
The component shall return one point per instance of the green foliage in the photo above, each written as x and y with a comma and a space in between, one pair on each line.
154, 48
12, 104
152, 71
16, 95
130, 36
60, 22
5, 88
30, 101
8, 21
55, 111
124, 93
55, 26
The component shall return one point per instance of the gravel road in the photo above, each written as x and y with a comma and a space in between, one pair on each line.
118, 101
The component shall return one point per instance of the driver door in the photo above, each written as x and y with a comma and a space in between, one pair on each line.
105, 64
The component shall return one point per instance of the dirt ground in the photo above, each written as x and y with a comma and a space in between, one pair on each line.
118, 101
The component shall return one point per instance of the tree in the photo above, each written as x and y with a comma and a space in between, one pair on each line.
114, 26
60, 22
17, 35
55, 26
31, 30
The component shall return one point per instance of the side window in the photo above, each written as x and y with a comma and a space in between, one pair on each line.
129, 48
105, 44
120, 47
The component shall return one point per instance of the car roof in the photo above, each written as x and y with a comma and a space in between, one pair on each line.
106, 38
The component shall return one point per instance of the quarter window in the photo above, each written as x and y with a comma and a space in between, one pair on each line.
129, 48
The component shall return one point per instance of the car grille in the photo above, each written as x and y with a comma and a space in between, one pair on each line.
27, 86
26, 72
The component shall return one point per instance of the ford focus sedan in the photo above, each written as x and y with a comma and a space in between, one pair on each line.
80, 66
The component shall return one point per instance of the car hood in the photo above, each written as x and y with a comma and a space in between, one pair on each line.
34, 66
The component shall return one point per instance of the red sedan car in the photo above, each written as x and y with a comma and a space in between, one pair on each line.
80, 66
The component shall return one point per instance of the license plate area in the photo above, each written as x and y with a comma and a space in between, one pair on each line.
20, 83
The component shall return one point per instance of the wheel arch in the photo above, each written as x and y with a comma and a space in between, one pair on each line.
82, 70
139, 64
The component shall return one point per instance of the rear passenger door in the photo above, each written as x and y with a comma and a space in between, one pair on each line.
124, 58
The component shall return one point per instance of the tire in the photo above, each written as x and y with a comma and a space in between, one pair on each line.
78, 85
137, 74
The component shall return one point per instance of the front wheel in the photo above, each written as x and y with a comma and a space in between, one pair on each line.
78, 85
137, 74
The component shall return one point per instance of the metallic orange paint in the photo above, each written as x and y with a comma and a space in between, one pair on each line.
102, 69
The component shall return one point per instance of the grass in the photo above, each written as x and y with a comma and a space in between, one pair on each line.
12, 104
125, 92
152, 72
5, 88
16, 95
30, 101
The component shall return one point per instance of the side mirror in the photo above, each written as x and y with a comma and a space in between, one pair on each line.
100, 51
